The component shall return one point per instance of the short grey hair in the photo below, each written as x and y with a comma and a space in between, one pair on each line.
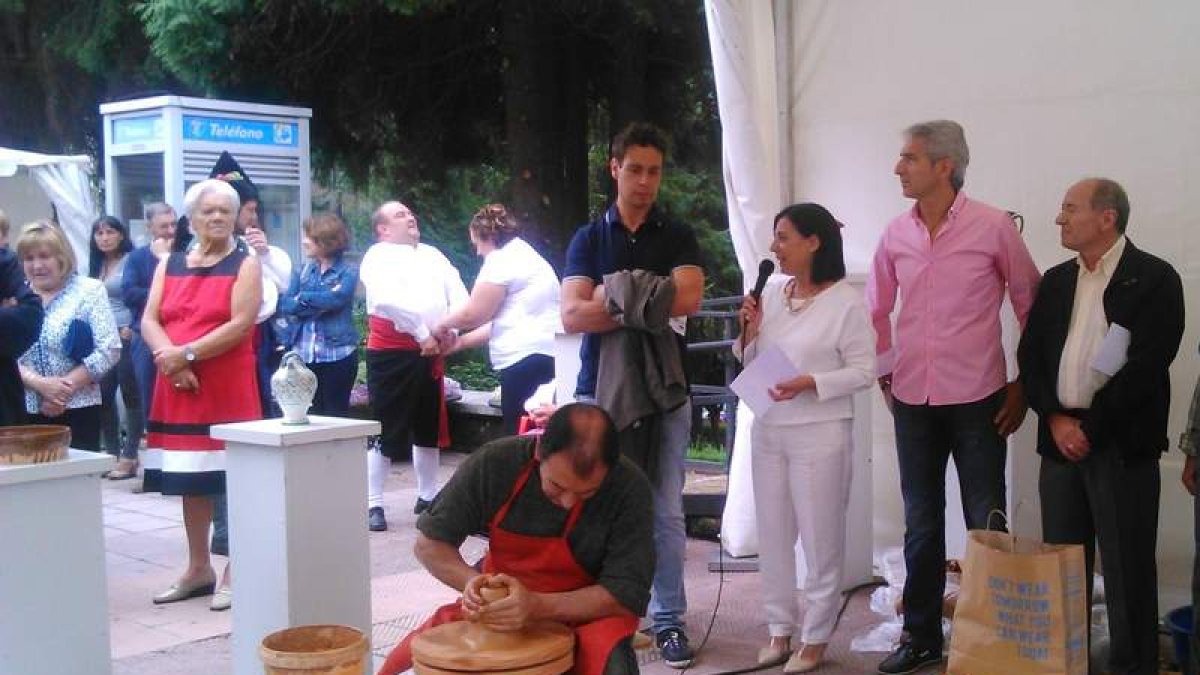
377, 215
156, 209
1108, 194
191, 199
944, 139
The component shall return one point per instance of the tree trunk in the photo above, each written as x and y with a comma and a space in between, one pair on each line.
533, 119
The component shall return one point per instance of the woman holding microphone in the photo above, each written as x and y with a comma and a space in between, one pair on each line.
801, 445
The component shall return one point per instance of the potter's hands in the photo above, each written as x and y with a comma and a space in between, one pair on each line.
507, 614
472, 600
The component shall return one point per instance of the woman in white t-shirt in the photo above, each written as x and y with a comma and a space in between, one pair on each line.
513, 307
801, 445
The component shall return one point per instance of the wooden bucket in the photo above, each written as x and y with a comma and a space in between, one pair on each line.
324, 649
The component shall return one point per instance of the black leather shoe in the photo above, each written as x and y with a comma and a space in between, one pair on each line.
908, 658
421, 506
376, 522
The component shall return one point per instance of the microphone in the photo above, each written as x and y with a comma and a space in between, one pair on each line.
765, 269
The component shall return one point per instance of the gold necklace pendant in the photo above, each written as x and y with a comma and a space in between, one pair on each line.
794, 304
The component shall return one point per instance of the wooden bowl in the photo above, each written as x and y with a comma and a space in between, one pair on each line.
34, 443
328, 649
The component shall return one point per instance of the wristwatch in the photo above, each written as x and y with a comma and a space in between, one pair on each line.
189, 354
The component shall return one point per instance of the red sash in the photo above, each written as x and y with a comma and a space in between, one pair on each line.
382, 334
544, 565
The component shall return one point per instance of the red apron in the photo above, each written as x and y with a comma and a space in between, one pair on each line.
544, 565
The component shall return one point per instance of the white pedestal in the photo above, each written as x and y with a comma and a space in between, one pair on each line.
53, 591
298, 534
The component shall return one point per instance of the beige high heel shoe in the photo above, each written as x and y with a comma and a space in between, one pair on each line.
806, 659
774, 652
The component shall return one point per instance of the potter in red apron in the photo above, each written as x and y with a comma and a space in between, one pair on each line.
544, 565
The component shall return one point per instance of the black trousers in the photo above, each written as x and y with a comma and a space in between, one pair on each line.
405, 399
335, 379
1112, 500
84, 424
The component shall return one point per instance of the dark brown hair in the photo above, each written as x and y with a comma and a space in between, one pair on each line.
584, 431
813, 219
638, 133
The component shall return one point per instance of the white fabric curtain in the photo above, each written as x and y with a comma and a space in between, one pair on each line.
1049, 91
66, 182
744, 70
70, 191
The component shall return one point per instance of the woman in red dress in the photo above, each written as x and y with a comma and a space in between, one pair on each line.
198, 323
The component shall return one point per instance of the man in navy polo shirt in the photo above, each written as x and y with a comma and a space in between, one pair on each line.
631, 235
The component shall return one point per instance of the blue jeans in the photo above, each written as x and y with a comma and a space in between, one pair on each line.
668, 601
123, 376
220, 522
143, 371
517, 384
926, 437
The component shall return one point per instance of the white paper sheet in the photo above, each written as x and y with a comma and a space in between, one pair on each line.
1113, 351
769, 368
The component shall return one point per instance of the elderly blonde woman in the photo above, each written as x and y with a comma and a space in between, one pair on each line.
78, 342
198, 322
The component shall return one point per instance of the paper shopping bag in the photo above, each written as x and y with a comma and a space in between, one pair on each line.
1021, 608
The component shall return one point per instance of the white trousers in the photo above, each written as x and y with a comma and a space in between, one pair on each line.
802, 488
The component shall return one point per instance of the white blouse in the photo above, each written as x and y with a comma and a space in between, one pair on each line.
412, 286
830, 339
529, 316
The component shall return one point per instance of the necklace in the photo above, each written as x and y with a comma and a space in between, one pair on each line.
795, 305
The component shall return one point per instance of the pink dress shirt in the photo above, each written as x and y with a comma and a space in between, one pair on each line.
947, 348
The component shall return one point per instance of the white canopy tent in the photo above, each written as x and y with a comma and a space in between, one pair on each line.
813, 97
35, 186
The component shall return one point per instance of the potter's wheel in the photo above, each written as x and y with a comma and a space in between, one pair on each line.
542, 648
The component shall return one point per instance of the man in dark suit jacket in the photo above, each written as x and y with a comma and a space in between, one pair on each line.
20, 323
1094, 359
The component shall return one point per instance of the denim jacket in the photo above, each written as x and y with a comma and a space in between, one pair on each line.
326, 298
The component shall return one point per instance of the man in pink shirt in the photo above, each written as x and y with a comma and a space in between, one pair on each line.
950, 259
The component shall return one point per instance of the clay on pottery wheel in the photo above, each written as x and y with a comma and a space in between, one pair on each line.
542, 648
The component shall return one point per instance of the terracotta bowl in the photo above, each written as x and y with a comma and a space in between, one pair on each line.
34, 443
